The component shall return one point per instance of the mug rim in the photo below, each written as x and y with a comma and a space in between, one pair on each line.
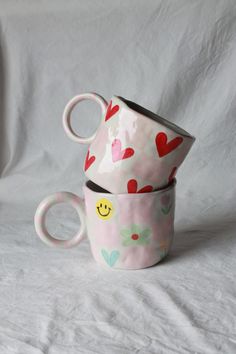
142, 111
170, 186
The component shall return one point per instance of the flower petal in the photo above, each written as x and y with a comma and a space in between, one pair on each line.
125, 233
145, 233
143, 241
127, 242
135, 229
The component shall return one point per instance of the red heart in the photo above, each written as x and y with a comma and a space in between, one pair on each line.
88, 161
118, 154
164, 148
111, 111
132, 187
173, 173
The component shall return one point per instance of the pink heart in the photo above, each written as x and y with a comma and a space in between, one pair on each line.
118, 154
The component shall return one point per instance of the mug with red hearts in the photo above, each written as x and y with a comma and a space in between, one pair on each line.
133, 150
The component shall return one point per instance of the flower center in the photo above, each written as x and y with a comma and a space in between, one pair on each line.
135, 237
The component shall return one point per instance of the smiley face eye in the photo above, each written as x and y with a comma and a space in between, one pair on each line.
105, 206
100, 205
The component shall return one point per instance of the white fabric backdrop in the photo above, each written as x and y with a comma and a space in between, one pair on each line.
176, 58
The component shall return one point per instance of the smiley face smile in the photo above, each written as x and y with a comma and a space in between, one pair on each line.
104, 215
104, 209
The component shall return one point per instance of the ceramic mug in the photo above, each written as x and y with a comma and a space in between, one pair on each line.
133, 150
126, 231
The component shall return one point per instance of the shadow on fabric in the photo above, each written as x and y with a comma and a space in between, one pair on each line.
215, 233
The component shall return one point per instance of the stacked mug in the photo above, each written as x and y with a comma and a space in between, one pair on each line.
129, 200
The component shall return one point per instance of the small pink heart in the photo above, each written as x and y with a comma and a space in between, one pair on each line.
118, 154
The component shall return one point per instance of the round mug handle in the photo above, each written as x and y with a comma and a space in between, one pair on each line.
69, 108
40, 218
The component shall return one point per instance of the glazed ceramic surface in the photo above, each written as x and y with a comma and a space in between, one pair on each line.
133, 150
126, 231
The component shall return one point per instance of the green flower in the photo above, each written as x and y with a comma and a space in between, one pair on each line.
135, 236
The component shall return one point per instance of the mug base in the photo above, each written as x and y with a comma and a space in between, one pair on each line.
130, 267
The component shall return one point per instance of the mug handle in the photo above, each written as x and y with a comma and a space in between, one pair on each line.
66, 119
40, 218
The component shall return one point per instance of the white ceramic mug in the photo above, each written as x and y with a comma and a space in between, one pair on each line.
126, 231
133, 150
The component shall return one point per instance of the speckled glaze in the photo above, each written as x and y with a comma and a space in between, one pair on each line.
133, 150
126, 231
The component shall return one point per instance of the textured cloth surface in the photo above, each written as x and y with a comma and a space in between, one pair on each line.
176, 58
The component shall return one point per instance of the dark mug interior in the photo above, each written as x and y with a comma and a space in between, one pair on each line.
96, 188
145, 112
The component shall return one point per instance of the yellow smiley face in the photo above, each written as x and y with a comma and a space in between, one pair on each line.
104, 209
